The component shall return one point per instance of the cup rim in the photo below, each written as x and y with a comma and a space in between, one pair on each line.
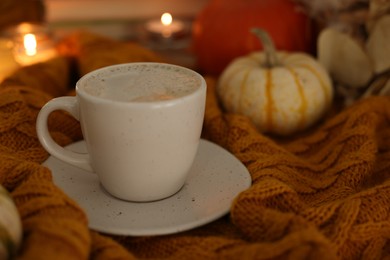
159, 103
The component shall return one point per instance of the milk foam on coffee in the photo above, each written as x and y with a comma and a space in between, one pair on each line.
142, 83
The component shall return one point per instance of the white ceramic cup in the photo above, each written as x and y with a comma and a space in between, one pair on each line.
141, 123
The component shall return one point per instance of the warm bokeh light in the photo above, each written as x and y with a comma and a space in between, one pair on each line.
30, 44
166, 18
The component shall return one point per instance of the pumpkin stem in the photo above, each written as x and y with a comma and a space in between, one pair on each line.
271, 59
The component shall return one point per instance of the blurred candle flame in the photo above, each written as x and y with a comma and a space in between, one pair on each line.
30, 44
166, 19
165, 26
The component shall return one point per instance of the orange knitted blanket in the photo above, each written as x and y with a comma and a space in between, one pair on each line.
324, 194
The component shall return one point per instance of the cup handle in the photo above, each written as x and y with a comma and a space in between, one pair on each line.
69, 104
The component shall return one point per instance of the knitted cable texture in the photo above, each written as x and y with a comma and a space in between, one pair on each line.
324, 194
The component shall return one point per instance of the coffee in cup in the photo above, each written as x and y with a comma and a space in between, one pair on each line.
141, 123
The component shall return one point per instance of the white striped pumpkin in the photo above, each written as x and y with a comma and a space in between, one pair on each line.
10, 226
280, 92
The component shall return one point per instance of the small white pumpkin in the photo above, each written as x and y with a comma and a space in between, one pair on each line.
10, 226
280, 92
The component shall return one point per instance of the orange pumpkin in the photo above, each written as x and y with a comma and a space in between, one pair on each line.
221, 31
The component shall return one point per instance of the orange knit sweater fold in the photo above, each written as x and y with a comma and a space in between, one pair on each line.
323, 194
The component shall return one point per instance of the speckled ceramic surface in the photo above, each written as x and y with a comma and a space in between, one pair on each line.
134, 141
215, 179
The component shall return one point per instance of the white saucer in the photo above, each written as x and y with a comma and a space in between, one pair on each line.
215, 179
